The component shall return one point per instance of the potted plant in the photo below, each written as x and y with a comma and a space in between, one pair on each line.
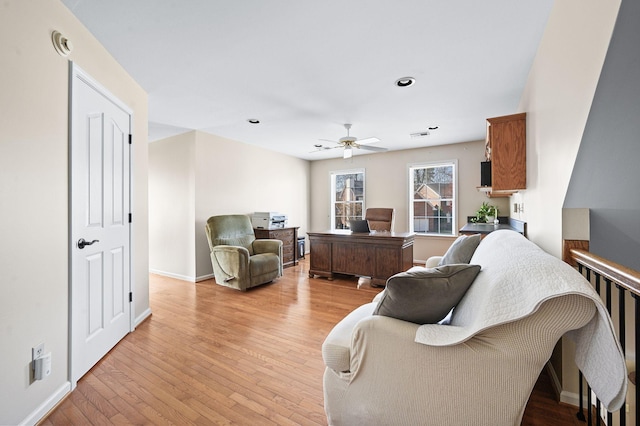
484, 212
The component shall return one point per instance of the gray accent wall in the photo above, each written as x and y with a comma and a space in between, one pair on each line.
606, 175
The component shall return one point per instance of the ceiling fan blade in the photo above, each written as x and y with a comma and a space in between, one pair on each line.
367, 141
372, 148
325, 148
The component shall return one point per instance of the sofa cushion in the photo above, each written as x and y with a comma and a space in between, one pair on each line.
426, 295
461, 250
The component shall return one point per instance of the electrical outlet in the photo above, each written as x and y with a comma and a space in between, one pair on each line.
37, 352
42, 367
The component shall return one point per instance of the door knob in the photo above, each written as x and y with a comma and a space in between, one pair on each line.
82, 243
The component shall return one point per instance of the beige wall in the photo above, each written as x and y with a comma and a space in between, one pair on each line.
172, 206
34, 246
387, 180
215, 176
557, 99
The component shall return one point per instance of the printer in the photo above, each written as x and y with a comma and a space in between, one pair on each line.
268, 220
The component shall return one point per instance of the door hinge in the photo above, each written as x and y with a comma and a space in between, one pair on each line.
130, 218
130, 297
130, 139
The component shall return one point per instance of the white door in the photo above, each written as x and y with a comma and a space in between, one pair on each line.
100, 313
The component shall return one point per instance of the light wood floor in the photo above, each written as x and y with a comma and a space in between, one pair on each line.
212, 355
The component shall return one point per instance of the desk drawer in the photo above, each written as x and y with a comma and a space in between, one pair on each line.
288, 236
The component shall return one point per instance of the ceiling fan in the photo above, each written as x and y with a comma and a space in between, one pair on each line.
349, 142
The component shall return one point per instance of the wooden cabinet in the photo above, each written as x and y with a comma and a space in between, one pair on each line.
289, 238
506, 148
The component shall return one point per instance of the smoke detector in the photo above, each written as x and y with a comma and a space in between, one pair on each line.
62, 44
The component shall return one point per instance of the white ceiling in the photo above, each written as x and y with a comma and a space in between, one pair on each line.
303, 68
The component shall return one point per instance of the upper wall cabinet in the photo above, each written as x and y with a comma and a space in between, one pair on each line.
506, 149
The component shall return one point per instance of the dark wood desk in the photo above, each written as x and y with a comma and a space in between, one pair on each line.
378, 255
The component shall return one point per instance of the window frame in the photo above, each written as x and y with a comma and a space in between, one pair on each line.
453, 198
332, 189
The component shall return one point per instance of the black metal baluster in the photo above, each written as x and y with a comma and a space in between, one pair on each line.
607, 282
580, 413
589, 405
637, 339
622, 338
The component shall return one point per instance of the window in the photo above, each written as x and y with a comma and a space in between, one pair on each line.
347, 197
432, 198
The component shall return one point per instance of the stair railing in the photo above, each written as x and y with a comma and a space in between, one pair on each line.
604, 275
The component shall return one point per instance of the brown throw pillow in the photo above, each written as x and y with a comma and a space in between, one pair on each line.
426, 295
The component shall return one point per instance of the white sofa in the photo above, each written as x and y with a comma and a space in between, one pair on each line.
481, 367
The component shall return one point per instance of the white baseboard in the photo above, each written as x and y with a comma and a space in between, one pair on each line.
143, 316
204, 277
570, 398
47, 405
191, 279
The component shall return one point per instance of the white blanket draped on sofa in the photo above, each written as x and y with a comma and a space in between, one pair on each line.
598, 353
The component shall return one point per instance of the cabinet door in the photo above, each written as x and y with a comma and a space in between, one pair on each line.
321, 256
353, 259
387, 262
507, 140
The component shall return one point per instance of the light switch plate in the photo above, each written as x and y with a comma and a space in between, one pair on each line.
37, 351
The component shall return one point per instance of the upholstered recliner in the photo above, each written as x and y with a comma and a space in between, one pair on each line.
240, 260
380, 219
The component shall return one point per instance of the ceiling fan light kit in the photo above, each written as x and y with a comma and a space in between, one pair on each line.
347, 153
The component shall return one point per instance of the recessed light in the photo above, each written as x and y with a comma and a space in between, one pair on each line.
405, 81
253, 120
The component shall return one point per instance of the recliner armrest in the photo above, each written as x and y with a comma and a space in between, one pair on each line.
267, 246
232, 250
230, 263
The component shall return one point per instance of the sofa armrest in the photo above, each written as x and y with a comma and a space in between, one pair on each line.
336, 347
379, 296
386, 362
267, 246
500, 363
433, 261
